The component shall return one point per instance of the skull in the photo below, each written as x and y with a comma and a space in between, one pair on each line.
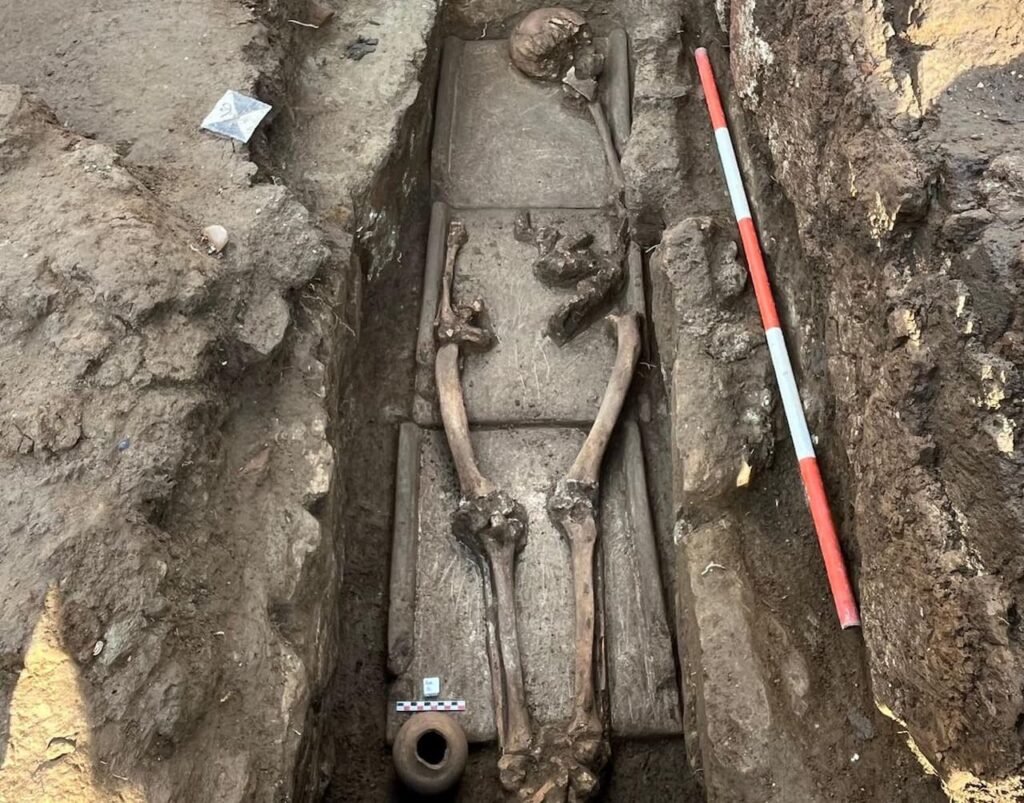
549, 41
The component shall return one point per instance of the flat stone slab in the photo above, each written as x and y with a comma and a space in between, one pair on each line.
642, 678
450, 639
525, 376
449, 635
504, 140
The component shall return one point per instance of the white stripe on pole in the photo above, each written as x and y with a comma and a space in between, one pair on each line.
790, 395
732, 174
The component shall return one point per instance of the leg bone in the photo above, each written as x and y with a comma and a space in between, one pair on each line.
494, 527
572, 505
587, 467
488, 520
456, 426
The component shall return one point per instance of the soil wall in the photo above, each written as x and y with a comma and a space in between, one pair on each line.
169, 433
887, 133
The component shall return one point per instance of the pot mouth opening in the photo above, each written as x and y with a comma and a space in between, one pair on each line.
432, 749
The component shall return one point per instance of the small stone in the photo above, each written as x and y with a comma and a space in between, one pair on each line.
362, 46
319, 14
861, 725
257, 463
966, 224
264, 324
97, 648
60, 746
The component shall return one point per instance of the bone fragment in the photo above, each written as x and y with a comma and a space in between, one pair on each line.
570, 260
610, 154
574, 314
586, 89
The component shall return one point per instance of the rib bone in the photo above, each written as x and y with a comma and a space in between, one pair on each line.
488, 520
572, 506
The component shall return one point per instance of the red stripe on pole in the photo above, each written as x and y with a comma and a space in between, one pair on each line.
828, 541
707, 80
758, 274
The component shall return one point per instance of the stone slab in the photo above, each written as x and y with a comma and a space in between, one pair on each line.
525, 376
511, 141
401, 611
749, 752
642, 678
449, 631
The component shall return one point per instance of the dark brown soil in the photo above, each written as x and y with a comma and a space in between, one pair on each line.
380, 396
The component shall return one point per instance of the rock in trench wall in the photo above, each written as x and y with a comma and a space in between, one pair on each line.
748, 752
744, 676
715, 364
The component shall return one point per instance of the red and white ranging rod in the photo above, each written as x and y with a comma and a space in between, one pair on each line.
817, 500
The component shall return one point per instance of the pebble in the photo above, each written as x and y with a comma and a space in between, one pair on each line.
862, 726
362, 46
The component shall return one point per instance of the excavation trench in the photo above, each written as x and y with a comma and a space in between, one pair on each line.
228, 495
410, 596
708, 689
